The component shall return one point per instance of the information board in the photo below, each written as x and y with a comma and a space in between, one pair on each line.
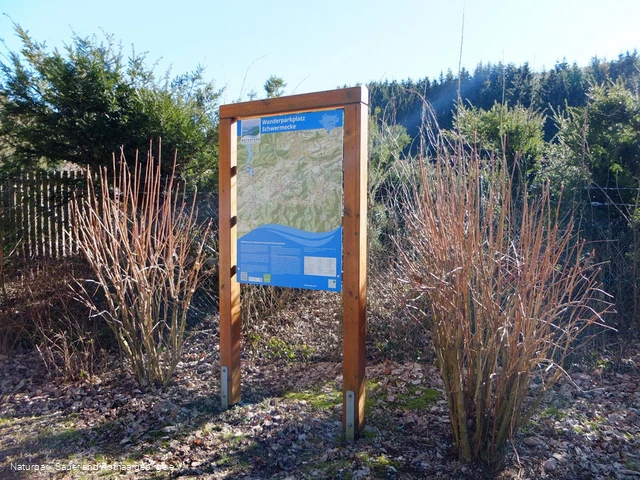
289, 187
293, 176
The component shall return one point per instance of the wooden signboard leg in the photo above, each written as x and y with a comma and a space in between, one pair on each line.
354, 286
230, 322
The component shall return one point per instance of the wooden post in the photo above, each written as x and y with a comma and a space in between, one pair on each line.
39, 216
355, 266
57, 216
18, 225
51, 195
65, 211
44, 213
230, 321
31, 219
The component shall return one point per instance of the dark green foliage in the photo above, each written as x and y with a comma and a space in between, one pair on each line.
626, 70
602, 140
513, 133
386, 144
74, 107
387, 141
561, 87
83, 103
565, 85
184, 113
597, 158
488, 84
274, 86
577, 128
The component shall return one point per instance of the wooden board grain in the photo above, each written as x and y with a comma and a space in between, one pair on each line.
355, 258
296, 103
230, 321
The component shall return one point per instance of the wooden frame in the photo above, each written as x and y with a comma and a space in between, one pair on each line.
354, 101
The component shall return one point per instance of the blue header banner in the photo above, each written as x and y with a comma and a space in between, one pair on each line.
324, 119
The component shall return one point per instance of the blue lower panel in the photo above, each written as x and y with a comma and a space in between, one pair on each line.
287, 257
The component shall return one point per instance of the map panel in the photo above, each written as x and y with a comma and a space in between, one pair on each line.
290, 200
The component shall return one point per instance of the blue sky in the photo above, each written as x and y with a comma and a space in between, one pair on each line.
325, 44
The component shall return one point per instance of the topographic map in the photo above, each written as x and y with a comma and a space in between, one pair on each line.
291, 177
290, 200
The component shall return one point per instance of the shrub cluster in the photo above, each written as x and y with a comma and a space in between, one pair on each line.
146, 250
505, 286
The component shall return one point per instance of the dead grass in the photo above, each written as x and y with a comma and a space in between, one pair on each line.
41, 313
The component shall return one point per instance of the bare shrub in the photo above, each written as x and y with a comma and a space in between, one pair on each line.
145, 247
70, 345
505, 286
392, 331
41, 312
